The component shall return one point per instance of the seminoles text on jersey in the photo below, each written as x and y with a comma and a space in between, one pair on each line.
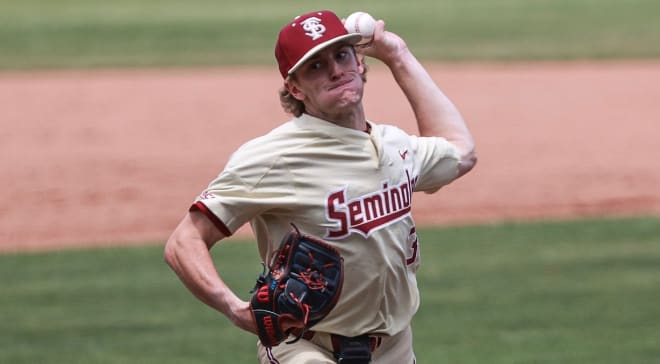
369, 212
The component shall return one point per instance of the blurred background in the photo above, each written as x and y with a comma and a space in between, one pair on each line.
115, 115
76, 33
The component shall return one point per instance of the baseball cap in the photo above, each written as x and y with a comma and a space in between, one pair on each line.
306, 35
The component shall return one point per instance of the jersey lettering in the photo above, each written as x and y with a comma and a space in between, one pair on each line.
414, 245
369, 212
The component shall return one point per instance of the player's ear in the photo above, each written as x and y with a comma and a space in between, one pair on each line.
359, 57
293, 89
361, 65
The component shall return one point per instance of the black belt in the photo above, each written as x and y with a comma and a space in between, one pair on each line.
351, 350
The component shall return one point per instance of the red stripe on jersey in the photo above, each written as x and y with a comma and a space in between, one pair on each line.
199, 206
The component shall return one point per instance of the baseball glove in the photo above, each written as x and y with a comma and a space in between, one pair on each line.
302, 284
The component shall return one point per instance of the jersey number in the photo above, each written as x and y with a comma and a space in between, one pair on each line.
414, 246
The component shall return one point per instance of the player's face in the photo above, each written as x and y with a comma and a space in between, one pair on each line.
330, 83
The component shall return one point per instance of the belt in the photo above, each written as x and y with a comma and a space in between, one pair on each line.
374, 341
351, 350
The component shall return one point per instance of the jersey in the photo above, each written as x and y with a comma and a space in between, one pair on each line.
351, 188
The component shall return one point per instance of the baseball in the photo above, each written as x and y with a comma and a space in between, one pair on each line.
363, 23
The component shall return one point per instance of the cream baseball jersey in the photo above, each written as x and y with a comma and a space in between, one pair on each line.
351, 188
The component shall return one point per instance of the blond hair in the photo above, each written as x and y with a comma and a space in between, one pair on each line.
289, 103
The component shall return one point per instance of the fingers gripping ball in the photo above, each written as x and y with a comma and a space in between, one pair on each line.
363, 23
302, 285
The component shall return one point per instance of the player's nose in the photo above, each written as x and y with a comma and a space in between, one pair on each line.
335, 70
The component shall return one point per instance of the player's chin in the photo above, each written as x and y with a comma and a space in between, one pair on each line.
348, 99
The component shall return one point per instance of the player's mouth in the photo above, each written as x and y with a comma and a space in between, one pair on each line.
340, 84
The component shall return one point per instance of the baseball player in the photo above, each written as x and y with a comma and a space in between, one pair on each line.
340, 177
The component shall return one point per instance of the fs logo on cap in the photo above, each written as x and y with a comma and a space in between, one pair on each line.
313, 27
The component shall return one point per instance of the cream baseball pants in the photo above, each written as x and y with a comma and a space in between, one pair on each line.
395, 349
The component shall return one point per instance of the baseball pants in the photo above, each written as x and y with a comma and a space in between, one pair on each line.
395, 349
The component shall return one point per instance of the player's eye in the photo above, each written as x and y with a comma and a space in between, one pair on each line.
315, 65
343, 54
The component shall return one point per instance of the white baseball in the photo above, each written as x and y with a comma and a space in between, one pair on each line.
363, 23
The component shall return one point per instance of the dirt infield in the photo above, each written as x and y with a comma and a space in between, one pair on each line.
116, 157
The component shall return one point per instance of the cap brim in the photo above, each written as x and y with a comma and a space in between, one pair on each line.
351, 38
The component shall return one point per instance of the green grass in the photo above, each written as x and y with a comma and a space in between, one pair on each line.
573, 292
147, 33
548, 292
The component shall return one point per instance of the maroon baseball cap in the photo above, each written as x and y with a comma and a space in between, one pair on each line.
308, 34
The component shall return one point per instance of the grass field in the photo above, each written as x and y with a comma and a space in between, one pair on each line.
549, 292
129, 33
